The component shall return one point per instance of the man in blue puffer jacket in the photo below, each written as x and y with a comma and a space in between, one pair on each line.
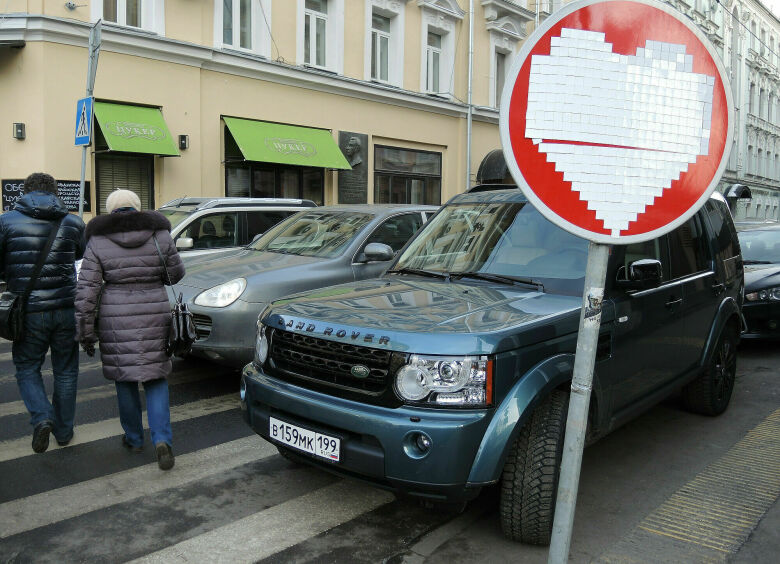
50, 317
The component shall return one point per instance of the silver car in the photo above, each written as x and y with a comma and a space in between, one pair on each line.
320, 247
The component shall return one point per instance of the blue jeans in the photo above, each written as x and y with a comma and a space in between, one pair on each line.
45, 329
158, 411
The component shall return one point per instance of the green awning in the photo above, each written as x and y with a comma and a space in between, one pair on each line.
287, 144
135, 129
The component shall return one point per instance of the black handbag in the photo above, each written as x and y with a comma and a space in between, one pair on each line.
12, 305
183, 333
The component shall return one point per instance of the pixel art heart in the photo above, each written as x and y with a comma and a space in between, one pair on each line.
621, 128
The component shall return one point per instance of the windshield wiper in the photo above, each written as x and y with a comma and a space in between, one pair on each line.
749, 261
499, 278
420, 272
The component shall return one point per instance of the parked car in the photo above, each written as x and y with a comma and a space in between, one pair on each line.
452, 370
319, 247
760, 244
204, 225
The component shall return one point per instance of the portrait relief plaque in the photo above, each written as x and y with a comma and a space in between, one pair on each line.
353, 184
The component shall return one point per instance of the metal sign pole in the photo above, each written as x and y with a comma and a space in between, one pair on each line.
579, 402
94, 52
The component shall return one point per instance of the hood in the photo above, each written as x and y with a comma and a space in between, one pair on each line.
428, 317
759, 276
128, 229
41, 205
260, 268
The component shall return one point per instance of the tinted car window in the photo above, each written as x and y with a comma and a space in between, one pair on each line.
723, 227
654, 250
175, 216
397, 230
261, 221
688, 248
213, 231
760, 245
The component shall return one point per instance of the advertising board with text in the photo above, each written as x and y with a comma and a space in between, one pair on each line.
67, 191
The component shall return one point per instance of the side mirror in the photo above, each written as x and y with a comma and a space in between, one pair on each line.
377, 252
184, 243
641, 274
255, 238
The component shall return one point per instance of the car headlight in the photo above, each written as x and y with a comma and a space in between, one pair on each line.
444, 380
261, 345
768, 294
222, 295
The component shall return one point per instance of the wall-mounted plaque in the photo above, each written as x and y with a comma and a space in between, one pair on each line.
67, 190
353, 184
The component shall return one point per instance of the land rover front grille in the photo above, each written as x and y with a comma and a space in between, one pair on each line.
329, 363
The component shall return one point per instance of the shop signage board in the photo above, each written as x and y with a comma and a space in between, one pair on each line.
615, 123
83, 122
615, 119
67, 190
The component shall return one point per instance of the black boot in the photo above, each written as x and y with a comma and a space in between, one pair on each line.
40, 440
165, 458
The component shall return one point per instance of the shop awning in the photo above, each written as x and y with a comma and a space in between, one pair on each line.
287, 144
135, 129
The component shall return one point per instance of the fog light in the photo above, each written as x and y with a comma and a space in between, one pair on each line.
423, 442
417, 444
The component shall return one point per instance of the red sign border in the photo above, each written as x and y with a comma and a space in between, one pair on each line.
520, 180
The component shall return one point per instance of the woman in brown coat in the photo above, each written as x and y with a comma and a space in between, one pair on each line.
134, 315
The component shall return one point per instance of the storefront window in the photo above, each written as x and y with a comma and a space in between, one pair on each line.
404, 176
128, 172
267, 180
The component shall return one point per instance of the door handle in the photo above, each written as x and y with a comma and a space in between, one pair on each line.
673, 302
718, 289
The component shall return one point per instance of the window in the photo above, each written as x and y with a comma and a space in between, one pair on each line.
144, 14
433, 63
403, 176
396, 231
314, 35
268, 180
723, 227
380, 47
654, 249
258, 222
129, 172
237, 23
500, 75
688, 249
213, 231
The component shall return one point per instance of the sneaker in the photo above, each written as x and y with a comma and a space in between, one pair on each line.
129, 446
40, 440
165, 458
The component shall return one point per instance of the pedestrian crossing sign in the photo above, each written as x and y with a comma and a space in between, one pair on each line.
83, 122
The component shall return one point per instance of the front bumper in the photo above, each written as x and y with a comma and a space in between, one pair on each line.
376, 442
226, 335
762, 320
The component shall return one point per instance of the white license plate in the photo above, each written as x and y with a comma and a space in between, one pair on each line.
317, 444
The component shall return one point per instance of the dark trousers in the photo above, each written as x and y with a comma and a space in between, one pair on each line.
55, 329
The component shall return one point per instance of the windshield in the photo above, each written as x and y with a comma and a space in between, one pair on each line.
760, 245
499, 238
175, 216
314, 234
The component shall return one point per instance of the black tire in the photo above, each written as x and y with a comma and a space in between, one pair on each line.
710, 392
529, 482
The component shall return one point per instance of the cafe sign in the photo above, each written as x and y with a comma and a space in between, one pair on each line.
290, 146
130, 130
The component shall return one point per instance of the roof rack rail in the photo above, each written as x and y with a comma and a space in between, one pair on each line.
200, 203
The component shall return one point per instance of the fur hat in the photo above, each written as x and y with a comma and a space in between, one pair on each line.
123, 199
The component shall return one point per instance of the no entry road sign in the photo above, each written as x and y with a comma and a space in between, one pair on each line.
615, 119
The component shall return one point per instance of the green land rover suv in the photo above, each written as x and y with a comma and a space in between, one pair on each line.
452, 370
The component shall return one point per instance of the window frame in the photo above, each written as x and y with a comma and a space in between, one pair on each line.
260, 22
376, 52
395, 12
334, 37
426, 178
152, 15
433, 54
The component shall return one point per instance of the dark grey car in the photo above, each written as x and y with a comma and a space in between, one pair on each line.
316, 248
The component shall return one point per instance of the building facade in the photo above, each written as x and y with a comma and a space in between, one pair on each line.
331, 100
338, 101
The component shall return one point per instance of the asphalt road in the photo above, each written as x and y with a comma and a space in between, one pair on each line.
667, 487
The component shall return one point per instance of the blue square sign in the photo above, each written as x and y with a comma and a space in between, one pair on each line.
83, 122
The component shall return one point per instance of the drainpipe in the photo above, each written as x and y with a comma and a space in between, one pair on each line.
470, 107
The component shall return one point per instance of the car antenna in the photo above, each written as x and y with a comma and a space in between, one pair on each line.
178, 204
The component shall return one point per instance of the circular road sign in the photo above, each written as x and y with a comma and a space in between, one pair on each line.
615, 119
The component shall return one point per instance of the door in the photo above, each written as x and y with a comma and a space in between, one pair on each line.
648, 328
